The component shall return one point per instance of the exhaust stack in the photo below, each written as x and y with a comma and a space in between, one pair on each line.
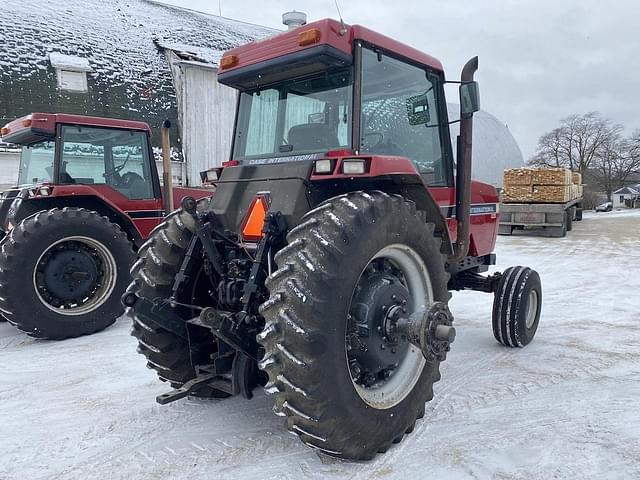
463, 169
167, 177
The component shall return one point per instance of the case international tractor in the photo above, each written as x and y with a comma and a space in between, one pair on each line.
322, 265
88, 195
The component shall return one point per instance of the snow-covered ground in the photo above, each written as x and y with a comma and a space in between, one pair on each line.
567, 406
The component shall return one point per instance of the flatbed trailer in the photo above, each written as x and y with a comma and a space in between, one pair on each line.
555, 219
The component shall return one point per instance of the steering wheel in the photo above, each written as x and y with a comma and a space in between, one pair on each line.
129, 178
368, 147
113, 174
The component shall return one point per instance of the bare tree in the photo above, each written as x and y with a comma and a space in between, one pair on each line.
617, 160
575, 143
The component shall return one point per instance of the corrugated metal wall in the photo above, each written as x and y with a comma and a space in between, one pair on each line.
207, 114
9, 163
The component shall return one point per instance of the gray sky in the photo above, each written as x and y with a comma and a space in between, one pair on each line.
539, 60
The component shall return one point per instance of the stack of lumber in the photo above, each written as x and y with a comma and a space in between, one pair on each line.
541, 185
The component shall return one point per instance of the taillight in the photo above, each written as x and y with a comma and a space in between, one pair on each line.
254, 219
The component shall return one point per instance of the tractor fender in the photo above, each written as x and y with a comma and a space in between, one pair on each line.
31, 206
409, 186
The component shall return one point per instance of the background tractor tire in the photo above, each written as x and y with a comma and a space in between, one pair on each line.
517, 305
51, 260
306, 320
159, 260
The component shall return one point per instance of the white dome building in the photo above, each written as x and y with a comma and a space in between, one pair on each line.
494, 148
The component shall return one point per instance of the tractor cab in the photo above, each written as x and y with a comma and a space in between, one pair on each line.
74, 150
372, 100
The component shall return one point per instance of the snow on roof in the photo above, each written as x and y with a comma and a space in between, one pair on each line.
119, 40
190, 53
628, 190
69, 62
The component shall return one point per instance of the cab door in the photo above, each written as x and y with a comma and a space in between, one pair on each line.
118, 165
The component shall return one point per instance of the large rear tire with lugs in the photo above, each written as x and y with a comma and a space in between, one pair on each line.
62, 272
153, 274
362, 245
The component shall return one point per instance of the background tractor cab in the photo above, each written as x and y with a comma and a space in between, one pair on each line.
86, 198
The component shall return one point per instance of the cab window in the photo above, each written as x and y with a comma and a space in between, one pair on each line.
400, 114
118, 158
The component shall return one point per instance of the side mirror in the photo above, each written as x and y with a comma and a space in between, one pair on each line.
418, 110
469, 98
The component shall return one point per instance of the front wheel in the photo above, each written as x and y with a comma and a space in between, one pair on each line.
516, 307
62, 273
354, 264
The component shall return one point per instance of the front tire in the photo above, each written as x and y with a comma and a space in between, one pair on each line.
517, 305
309, 314
62, 273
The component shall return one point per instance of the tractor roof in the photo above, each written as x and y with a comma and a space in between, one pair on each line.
33, 127
324, 37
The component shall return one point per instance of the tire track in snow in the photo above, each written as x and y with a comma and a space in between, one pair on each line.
455, 401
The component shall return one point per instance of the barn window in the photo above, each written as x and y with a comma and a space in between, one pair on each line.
71, 71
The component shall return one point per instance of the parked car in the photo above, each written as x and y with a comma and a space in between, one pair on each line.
605, 207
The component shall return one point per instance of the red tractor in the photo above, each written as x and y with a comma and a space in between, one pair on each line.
321, 268
88, 196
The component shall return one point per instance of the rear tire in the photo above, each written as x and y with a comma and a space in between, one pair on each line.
569, 220
516, 307
307, 316
159, 260
578, 217
45, 262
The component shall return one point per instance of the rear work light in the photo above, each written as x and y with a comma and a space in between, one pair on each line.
309, 37
353, 166
324, 166
254, 219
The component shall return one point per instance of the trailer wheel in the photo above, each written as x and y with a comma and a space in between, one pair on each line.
505, 229
578, 217
516, 307
62, 273
342, 386
159, 260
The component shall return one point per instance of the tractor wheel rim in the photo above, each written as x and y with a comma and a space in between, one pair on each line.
532, 308
391, 391
97, 293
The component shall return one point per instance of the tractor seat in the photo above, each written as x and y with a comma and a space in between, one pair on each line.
312, 136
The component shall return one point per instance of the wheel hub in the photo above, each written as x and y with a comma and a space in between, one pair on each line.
69, 274
380, 300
